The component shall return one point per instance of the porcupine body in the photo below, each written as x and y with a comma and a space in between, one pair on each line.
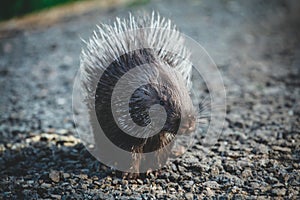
115, 50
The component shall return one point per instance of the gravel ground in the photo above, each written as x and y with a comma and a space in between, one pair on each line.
256, 46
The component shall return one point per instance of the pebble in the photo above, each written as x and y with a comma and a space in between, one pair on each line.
212, 184
174, 168
82, 176
55, 196
247, 173
189, 196
125, 182
66, 175
97, 183
279, 191
214, 171
115, 182
54, 176
282, 149
139, 181
46, 185
209, 192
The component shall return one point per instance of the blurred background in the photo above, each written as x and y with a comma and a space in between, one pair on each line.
17, 8
14, 8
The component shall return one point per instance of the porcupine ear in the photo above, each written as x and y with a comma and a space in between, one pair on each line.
105, 46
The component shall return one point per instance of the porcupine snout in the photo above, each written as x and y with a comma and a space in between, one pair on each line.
188, 124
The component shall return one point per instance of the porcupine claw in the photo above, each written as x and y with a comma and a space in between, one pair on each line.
130, 175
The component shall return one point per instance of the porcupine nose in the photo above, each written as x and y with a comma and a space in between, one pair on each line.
188, 125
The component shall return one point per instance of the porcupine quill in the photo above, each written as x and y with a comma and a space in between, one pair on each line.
113, 57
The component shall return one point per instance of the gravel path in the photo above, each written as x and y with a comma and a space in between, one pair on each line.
256, 46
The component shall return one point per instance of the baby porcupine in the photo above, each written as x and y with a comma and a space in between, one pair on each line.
114, 51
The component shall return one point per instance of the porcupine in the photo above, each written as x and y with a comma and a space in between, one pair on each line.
169, 81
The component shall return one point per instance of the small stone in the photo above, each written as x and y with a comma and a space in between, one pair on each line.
173, 177
271, 180
254, 185
82, 176
132, 181
115, 182
247, 173
282, 149
172, 190
187, 186
265, 188
84, 186
189, 196
139, 181
66, 175
124, 182
97, 183
2, 148
55, 196
174, 168
278, 185
46, 185
128, 192
214, 171
146, 181
181, 169
54, 176
242, 163
279, 191
212, 184
230, 167
73, 181
292, 193
191, 183
64, 184
209, 192
108, 179
235, 189
134, 186
170, 196
104, 186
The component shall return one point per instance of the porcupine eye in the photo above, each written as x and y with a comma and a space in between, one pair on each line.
161, 102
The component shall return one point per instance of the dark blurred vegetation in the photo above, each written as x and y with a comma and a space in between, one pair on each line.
12, 8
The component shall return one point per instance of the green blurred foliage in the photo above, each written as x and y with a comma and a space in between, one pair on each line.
135, 3
12, 8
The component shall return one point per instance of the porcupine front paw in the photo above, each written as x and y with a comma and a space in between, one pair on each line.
134, 170
130, 175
